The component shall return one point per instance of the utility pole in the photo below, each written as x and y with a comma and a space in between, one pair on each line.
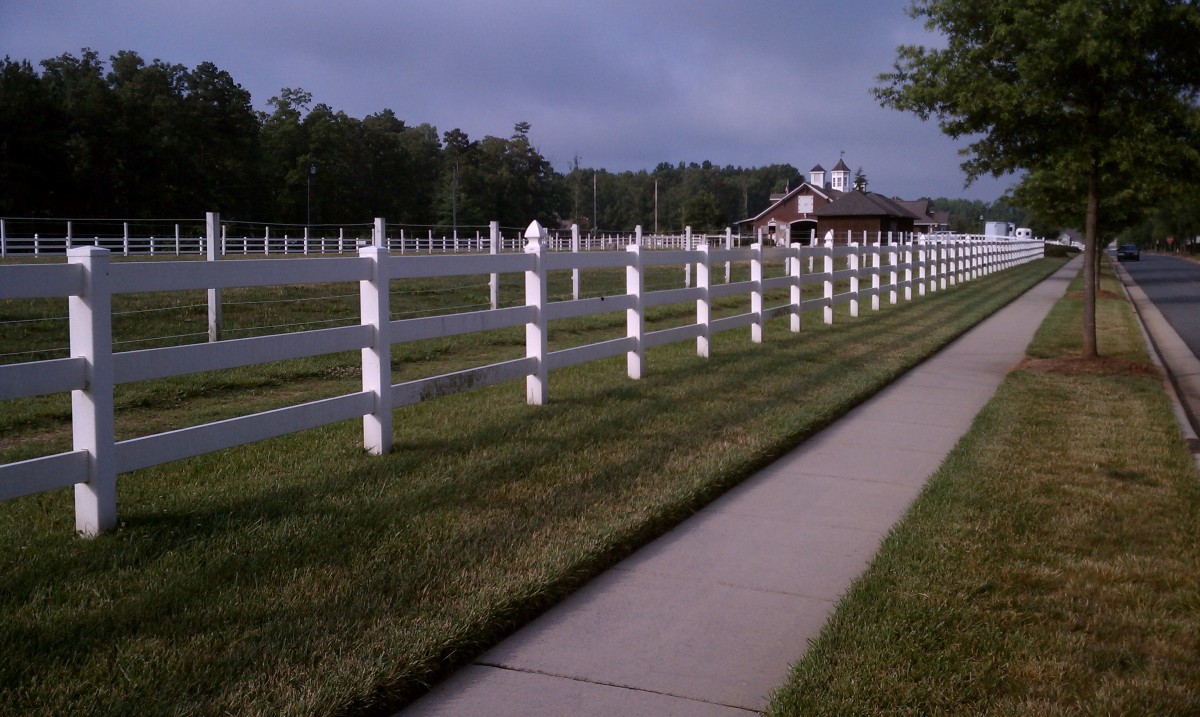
454, 198
656, 207
312, 170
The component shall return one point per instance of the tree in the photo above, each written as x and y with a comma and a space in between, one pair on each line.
860, 181
33, 142
77, 88
1092, 92
701, 213
285, 152
222, 131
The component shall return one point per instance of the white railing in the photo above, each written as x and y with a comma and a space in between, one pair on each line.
89, 279
267, 239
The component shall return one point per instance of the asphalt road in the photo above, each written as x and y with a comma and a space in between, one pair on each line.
1173, 285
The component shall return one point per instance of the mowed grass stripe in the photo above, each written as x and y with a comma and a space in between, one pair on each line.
1052, 565
302, 576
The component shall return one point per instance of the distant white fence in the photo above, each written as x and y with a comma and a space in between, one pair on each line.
89, 279
174, 239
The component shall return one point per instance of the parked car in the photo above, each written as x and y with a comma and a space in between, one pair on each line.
1130, 252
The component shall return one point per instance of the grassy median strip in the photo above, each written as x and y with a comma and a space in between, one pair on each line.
300, 576
1052, 565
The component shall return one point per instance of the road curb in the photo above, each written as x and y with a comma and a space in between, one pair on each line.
1180, 365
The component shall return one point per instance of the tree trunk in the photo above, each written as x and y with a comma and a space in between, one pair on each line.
1091, 258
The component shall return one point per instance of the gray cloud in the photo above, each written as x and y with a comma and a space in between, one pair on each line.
622, 84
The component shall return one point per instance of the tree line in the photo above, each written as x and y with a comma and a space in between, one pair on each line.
124, 138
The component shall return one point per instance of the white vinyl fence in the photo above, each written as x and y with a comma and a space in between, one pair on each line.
89, 279
174, 238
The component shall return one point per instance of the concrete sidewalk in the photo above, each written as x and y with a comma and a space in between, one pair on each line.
706, 620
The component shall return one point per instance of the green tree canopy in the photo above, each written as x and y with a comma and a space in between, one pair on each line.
1083, 94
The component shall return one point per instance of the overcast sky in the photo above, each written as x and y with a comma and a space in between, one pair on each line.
622, 84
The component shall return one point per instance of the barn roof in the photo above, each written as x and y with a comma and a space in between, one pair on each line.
864, 204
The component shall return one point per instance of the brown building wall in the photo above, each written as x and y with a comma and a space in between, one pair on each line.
858, 225
788, 212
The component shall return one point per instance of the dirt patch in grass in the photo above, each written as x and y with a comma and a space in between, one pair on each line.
1103, 294
10, 441
1079, 366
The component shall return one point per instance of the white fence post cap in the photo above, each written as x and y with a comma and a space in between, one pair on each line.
535, 234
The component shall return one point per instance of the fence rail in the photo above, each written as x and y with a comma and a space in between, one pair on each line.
89, 280
270, 240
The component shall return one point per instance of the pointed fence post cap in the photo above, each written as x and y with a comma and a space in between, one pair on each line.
534, 235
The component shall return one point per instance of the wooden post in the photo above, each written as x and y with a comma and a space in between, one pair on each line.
92, 406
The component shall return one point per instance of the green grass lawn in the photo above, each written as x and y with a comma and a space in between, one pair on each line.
1052, 565
302, 576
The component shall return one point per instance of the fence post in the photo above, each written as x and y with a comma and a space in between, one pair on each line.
943, 263
536, 343
797, 288
687, 246
922, 264
828, 293
704, 303
3, 240
728, 246
894, 263
375, 301
876, 258
855, 266
635, 318
493, 249
908, 274
756, 292
575, 271
212, 227
92, 406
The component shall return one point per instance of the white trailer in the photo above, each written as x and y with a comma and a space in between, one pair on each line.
999, 229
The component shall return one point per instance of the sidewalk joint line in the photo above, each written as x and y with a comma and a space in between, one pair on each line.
543, 673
